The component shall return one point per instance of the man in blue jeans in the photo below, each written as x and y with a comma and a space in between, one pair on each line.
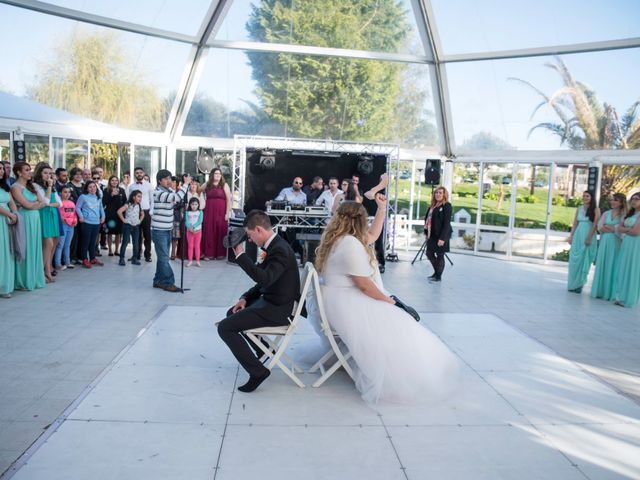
164, 199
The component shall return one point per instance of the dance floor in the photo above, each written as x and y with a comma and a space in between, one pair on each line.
167, 407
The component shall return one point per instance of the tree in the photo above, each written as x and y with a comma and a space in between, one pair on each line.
585, 124
329, 97
485, 141
90, 74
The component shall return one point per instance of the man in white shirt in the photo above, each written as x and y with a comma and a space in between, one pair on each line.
293, 194
147, 206
328, 196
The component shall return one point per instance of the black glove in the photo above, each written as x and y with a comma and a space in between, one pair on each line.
411, 311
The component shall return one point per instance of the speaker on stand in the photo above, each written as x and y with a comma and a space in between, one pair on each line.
432, 172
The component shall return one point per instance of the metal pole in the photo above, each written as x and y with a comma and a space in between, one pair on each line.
419, 191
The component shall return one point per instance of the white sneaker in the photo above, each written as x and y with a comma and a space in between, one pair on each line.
189, 264
64, 267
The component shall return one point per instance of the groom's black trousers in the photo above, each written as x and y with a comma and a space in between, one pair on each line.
252, 316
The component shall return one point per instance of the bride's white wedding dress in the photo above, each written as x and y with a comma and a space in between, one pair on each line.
397, 359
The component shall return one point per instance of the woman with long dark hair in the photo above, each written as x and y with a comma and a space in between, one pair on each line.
348, 194
583, 245
216, 215
628, 281
113, 198
29, 271
8, 216
437, 229
608, 248
49, 216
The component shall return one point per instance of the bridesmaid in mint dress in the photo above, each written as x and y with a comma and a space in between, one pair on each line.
608, 249
29, 272
7, 261
583, 245
628, 282
49, 219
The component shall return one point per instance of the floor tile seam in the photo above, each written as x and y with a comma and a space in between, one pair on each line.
574, 363
143, 422
53, 426
226, 425
305, 425
393, 446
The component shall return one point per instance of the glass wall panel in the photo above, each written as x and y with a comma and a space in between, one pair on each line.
105, 155
96, 73
5, 147
496, 105
37, 148
175, 15
507, 25
58, 152
148, 158
279, 94
464, 199
124, 155
76, 154
186, 163
496, 194
376, 25
493, 241
533, 190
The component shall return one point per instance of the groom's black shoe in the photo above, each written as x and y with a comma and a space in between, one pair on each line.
254, 382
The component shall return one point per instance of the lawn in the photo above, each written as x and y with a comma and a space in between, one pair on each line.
528, 215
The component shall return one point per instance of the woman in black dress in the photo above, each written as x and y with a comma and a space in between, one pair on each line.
437, 228
113, 198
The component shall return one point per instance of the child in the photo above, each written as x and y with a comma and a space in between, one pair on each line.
131, 215
62, 260
193, 224
90, 215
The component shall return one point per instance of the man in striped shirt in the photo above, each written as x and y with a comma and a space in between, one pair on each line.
164, 199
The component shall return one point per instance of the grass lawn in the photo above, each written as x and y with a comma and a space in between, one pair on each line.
528, 215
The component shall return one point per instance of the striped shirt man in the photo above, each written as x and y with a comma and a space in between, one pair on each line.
163, 201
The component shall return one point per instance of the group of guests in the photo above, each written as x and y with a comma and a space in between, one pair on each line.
330, 195
616, 255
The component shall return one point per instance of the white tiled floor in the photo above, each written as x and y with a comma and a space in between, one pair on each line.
532, 352
168, 408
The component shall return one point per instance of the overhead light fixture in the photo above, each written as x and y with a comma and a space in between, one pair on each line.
365, 165
268, 159
205, 161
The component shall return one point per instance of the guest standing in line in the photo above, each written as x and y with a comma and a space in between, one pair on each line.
216, 216
76, 185
628, 280
193, 225
7, 172
608, 249
90, 215
131, 216
49, 216
583, 247
62, 256
349, 193
194, 192
142, 184
113, 199
29, 271
437, 229
8, 216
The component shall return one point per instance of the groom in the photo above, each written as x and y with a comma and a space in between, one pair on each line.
269, 303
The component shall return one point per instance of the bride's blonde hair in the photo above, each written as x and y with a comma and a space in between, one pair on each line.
349, 219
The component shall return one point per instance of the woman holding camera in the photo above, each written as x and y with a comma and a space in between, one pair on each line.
437, 229
396, 358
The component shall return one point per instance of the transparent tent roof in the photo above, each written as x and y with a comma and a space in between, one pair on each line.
437, 76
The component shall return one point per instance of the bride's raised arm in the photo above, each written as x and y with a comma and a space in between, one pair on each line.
378, 221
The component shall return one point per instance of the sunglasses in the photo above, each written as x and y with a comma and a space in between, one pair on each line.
297, 183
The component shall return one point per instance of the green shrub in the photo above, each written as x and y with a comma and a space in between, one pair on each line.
560, 227
562, 256
557, 200
469, 240
574, 202
530, 199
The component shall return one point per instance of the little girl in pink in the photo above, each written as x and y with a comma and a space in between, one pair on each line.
61, 257
193, 223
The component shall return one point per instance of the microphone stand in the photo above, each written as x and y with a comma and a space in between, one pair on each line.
183, 239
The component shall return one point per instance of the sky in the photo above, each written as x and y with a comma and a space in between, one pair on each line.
482, 98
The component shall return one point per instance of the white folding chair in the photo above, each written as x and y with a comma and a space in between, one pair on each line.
278, 338
339, 351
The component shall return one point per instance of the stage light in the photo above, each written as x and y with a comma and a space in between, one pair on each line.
365, 165
205, 161
268, 159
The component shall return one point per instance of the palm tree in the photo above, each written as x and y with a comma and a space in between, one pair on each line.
585, 124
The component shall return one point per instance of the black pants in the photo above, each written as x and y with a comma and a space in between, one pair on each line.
230, 330
134, 233
88, 237
75, 244
145, 235
379, 248
437, 262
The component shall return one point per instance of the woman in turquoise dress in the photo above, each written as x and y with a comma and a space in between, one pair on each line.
583, 245
29, 272
608, 249
628, 281
7, 216
49, 220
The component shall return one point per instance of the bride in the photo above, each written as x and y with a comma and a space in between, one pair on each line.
396, 358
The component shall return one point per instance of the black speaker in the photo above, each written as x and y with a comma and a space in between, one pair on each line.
19, 151
592, 179
432, 172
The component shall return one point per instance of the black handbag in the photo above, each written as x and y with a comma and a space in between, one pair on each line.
410, 310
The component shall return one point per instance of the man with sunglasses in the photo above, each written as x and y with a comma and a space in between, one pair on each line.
293, 195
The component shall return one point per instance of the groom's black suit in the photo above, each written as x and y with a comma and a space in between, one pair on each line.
269, 302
